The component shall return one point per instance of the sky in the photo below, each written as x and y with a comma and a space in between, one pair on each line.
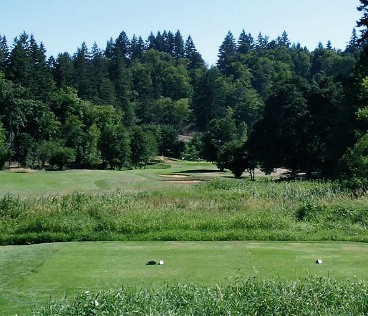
63, 25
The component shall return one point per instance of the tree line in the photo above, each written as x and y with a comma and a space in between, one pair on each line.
267, 103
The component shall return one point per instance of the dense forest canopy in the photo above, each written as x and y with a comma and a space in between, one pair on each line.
267, 103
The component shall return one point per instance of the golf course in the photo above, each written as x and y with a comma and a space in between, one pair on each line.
77, 242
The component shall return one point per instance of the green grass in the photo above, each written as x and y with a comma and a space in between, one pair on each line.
31, 274
252, 296
64, 182
175, 214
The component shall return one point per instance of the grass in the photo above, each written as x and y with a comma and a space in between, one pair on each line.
221, 209
27, 183
311, 296
31, 274
176, 214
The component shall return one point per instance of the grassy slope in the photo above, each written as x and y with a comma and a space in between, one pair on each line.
33, 273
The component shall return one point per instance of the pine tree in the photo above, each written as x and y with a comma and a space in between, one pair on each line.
363, 21
137, 47
4, 53
227, 52
262, 43
83, 72
283, 40
169, 42
245, 43
42, 83
122, 47
151, 41
194, 57
63, 71
178, 46
109, 50
159, 42
19, 65
101, 85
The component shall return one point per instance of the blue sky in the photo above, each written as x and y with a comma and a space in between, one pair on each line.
62, 25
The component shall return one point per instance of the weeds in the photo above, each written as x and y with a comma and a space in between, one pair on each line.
221, 209
312, 296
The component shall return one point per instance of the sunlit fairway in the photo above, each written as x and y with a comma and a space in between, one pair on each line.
33, 274
29, 182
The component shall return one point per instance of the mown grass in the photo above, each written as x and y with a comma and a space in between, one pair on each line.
35, 274
35, 183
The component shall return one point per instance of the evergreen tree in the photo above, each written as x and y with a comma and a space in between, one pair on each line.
64, 71
363, 21
83, 72
283, 40
19, 65
109, 50
245, 43
227, 53
262, 43
179, 51
169, 42
4, 152
159, 43
279, 139
194, 57
209, 98
151, 42
137, 48
142, 90
122, 47
101, 85
4, 53
42, 84
352, 45
121, 77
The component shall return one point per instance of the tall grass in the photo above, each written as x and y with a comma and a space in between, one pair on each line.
221, 209
312, 296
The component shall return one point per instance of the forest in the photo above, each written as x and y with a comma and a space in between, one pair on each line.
267, 103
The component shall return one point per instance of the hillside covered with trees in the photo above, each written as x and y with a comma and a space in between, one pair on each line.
267, 103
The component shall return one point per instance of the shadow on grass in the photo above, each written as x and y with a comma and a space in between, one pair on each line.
200, 171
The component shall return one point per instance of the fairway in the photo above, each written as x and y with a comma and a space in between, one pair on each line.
34, 273
33, 182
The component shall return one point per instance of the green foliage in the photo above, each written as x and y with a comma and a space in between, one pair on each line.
322, 296
355, 163
220, 132
114, 145
62, 156
143, 147
4, 152
221, 209
232, 156
72, 99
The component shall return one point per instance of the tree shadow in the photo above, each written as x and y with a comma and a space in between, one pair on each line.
200, 171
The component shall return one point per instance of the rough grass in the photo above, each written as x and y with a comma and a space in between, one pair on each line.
313, 296
220, 209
